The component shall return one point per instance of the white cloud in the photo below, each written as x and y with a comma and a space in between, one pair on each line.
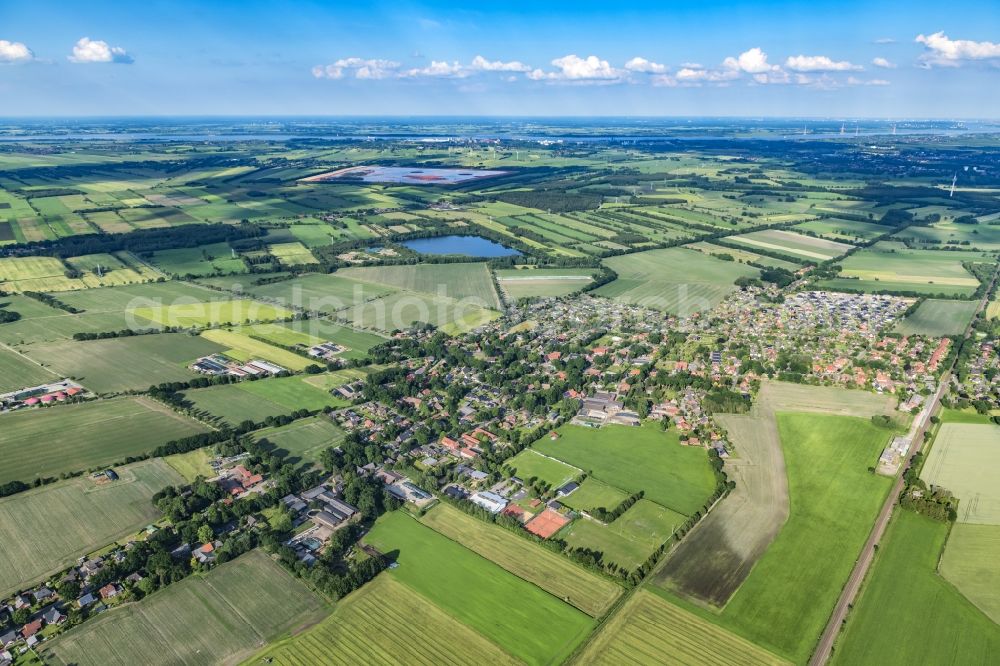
88, 50
14, 52
438, 69
360, 68
644, 66
481, 64
580, 70
804, 63
883, 63
940, 50
752, 61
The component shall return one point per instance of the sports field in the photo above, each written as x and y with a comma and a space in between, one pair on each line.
376, 625
529, 464
970, 564
553, 573
46, 528
211, 313
305, 438
785, 602
222, 616
458, 281
593, 494
931, 623
638, 458
651, 630
964, 459
239, 345
629, 540
48, 441
124, 364
676, 280
523, 619
938, 318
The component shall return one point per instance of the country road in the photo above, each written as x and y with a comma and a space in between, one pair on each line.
917, 431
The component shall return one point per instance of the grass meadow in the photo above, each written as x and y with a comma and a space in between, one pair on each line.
558, 575
375, 625
17, 371
969, 563
938, 318
47, 441
649, 630
211, 313
46, 528
523, 619
218, 617
458, 281
638, 458
629, 540
530, 464
931, 623
305, 438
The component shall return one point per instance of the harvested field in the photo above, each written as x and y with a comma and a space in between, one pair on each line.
221, 616
650, 630
44, 529
965, 459
375, 625
550, 571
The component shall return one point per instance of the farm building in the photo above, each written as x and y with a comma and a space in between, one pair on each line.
489, 501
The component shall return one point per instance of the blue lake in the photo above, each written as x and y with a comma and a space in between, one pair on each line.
468, 246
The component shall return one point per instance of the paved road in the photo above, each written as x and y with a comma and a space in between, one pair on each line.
850, 591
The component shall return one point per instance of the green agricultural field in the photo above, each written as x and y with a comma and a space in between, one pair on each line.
47, 441
649, 630
222, 616
743, 256
969, 563
292, 254
543, 282
785, 602
304, 439
47, 528
302, 391
238, 345
256, 400
129, 297
211, 313
192, 464
629, 540
558, 575
846, 230
946, 233
18, 371
457, 281
308, 332
807, 248
124, 364
529, 464
931, 622
675, 280
885, 267
318, 292
375, 625
964, 460
203, 260
638, 458
938, 318
403, 309
593, 494
523, 619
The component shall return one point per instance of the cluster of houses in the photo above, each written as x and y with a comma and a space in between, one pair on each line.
979, 378
218, 364
43, 394
326, 511
604, 407
238, 481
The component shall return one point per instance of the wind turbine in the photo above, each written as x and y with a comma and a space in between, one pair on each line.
842, 126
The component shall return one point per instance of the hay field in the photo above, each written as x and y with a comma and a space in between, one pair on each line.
938, 318
124, 364
964, 459
676, 280
221, 616
970, 564
931, 622
47, 441
47, 528
558, 575
375, 625
17, 371
523, 619
649, 630
457, 281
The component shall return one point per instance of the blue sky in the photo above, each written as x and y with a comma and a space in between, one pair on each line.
154, 57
